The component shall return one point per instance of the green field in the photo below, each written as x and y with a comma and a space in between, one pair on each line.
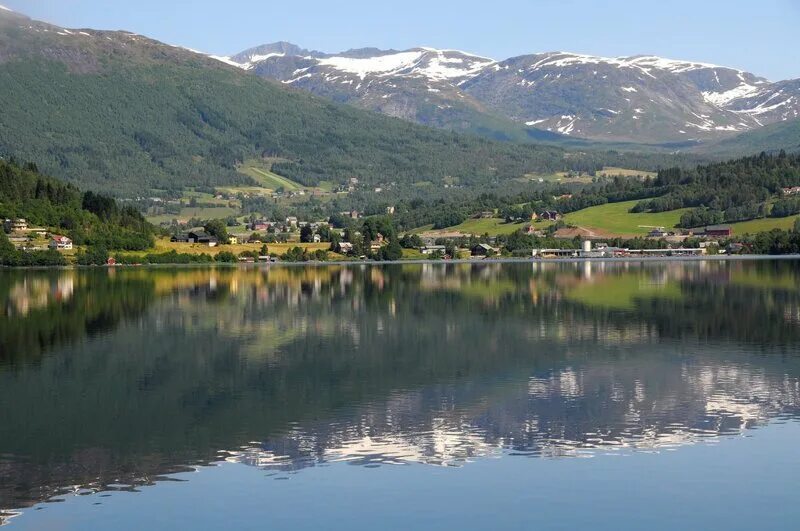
614, 219
197, 212
260, 171
763, 225
478, 227
611, 171
494, 226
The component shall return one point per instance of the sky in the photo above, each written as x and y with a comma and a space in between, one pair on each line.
759, 37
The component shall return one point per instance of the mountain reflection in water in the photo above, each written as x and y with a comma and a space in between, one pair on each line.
112, 379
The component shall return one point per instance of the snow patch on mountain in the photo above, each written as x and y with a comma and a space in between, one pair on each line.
745, 90
226, 60
643, 63
379, 65
441, 67
4, 8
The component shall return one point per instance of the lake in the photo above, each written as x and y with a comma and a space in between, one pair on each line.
656, 395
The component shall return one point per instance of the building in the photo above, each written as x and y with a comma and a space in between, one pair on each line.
344, 248
430, 249
794, 190
483, 249
533, 231
233, 240
291, 221
549, 215
201, 236
390, 210
62, 243
718, 231
317, 238
657, 232
15, 225
554, 253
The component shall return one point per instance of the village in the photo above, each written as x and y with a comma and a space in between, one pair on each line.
264, 240
29, 238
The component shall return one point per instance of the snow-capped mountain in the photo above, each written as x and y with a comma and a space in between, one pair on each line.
638, 99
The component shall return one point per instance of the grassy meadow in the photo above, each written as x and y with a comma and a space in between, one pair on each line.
615, 219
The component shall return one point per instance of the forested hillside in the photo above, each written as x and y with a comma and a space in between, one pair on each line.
120, 113
736, 190
87, 218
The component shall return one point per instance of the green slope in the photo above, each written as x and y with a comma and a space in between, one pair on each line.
774, 137
617, 220
119, 112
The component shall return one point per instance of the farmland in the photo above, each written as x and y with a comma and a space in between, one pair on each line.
615, 219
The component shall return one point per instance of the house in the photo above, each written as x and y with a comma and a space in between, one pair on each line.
354, 214
15, 225
483, 249
201, 236
180, 238
344, 248
533, 231
259, 225
291, 221
389, 210
233, 240
657, 232
430, 249
550, 215
317, 238
718, 231
794, 190
111, 261
62, 243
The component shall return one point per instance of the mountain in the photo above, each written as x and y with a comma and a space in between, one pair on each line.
119, 112
641, 99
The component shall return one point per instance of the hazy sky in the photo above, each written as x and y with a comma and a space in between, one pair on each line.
760, 37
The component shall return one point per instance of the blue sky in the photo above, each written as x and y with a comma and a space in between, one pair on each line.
756, 36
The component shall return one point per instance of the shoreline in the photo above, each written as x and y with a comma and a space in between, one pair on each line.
566, 260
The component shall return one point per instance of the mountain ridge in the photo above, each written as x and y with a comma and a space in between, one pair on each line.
642, 98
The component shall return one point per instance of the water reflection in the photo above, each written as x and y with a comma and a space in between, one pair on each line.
120, 378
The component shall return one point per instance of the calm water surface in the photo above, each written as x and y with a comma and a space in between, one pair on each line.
490, 396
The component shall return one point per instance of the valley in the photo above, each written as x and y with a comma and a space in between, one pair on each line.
278, 132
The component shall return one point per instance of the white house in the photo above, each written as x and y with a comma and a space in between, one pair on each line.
61, 243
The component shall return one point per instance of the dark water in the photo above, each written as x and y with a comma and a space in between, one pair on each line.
516, 396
